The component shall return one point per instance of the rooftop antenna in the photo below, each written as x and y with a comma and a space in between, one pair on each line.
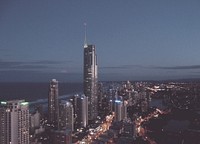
85, 41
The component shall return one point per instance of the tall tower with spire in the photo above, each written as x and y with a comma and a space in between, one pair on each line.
90, 78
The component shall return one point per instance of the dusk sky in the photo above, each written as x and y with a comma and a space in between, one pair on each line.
135, 39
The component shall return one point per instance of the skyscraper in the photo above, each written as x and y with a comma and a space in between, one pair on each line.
53, 109
100, 97
66, 115
14, 122
90, 79
82, 111
120, 110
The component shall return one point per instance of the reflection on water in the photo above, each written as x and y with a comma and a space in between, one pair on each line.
157, 103
176, 125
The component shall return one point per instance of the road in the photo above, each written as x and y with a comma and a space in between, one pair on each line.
95, 133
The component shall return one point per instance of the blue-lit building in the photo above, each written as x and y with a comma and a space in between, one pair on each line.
120, 110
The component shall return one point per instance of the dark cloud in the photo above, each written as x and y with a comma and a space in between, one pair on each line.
31, 67
50, 62
113, 67
197, 72
179, 67
35, 76
123, 67
9, 64
39, 65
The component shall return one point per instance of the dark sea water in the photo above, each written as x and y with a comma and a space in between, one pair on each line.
34, 91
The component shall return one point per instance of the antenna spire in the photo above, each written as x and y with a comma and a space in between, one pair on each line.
85, 41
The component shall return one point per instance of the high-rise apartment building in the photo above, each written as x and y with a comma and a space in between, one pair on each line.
66, 115
90, 82
35, 120
14, 122
120, 109
100, 98
53, 108
82, 111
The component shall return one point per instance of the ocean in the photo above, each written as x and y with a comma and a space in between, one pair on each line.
34, 91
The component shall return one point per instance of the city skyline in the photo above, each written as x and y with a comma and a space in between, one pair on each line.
136, 40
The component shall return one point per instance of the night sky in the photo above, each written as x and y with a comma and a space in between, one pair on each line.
135, 39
